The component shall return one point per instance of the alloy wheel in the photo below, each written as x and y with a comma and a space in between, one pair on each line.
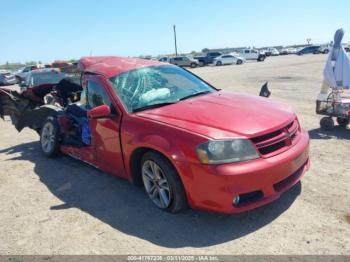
48, 137
156, 184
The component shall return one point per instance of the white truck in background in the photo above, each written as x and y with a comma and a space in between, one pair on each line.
252, 54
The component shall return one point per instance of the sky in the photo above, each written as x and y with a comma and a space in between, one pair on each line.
42, 30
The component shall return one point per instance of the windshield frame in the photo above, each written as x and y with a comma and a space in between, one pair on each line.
134, 111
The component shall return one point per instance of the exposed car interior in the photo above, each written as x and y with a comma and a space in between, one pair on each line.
67, 100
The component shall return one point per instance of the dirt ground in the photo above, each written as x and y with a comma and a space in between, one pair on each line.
62, 206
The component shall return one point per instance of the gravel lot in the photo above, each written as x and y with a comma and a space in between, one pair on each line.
62, 206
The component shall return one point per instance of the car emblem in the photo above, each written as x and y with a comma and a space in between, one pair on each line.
288, 137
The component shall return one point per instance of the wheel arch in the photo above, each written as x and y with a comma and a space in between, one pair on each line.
135, 163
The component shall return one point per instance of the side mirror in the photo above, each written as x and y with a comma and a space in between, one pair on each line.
102, 111
265, 92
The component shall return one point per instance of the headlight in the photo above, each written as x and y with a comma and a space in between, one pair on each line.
226, 151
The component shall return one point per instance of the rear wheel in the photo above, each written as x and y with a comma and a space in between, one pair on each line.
261, 58
239, 62
193, 65
343, 122
218, 63
327, 123
201, 63
49, 137
162, 183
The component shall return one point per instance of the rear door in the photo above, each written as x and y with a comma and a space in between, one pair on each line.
180, 61
105, 132
229, 59
185, 61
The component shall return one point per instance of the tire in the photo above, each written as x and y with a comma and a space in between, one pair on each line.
261, 58
201, 63
193, 65
239, 62
218, 63
327, 123
326, 51
343, 122
49, 137
166, 180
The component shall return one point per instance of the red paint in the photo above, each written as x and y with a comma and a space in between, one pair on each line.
112, 65
176, 130
99, 112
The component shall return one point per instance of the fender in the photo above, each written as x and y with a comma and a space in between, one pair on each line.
177, 154
171, 151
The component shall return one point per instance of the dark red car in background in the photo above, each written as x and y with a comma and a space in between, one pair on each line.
162, 127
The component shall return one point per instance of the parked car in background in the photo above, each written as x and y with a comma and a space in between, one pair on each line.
40, 77
208, 58
315, 49
22, 73
60, 64
228, 59
7, 78
284, 51
265, 52
273, 51
164, 59
292, 50
162, 127
252, 54
184, 61
324, 49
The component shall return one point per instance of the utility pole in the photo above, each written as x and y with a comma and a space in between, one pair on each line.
175, 40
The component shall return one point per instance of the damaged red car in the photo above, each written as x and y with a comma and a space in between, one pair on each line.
162, 127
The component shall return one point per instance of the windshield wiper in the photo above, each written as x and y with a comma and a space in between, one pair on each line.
195, 94
152, 106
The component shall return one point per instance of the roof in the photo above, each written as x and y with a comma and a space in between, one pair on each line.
113, 65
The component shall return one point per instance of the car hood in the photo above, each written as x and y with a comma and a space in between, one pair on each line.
224, 114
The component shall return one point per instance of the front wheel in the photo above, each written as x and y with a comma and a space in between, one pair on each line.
218, 63
162, 183
193, 65
201, 63
49, 137
239, 62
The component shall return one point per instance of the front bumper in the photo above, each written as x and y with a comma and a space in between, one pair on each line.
213, 188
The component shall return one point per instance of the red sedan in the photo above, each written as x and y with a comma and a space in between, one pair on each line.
162, 127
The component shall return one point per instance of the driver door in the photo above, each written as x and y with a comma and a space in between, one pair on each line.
104, 131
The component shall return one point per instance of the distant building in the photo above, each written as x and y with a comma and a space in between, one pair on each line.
225, 50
